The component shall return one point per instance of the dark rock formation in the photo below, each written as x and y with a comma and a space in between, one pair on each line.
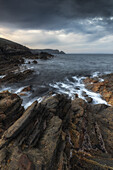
10, 110
45, 56
59, 134
16, 77
9, 47
11, 56
35, 62
50, 51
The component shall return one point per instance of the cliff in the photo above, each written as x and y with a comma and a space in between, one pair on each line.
50, 51
12, 48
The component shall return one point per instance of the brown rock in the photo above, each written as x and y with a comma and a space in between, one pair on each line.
16, 77
25, 163
89, 99
11, 109
26, 89
105, 88
60, 134
21, 122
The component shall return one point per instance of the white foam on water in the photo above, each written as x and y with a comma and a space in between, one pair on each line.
39, 100
20, 89
2, 76
107, 72
77, 87
101, 80
95, 74
29, 103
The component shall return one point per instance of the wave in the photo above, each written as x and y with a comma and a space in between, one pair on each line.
71, 88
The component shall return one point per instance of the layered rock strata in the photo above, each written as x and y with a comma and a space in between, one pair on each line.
56, 134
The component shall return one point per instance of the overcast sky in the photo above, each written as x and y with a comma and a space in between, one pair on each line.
74, 26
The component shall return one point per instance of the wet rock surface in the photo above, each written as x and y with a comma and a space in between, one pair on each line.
56, 134
104, 87
16, 77
12, 56
10, 110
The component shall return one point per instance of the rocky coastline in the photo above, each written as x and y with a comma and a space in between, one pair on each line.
57, 133
12, 56
103, 85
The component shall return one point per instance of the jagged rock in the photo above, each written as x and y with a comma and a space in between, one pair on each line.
26, 89
45, 56
89, 99
10, 109
21, 122
35, 62
25, 163
16, 77
59, 134
105, 87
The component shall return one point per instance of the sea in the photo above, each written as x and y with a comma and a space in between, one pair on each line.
63, 74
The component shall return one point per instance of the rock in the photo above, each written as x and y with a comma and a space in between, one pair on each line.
3, 154
35, 62
22, 94
21, 122
77, 88
25, 163
59, 134
84, 94
26, 89
76, 95
105, 87
88, 136
89, 99
45, 56
10, 108
17, 77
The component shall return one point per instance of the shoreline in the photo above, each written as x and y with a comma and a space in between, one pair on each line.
55, 127
79, 87
68, 130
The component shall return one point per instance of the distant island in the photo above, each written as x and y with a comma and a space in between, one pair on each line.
50, 51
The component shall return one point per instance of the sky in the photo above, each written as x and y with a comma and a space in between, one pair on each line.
74, 26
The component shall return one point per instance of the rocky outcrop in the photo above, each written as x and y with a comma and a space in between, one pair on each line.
9, 47
15, 77
50, 51
12, 56
58, 134
10, 110
45, 56
105, 87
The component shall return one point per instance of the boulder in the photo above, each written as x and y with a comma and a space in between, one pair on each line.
89, 99
35, 62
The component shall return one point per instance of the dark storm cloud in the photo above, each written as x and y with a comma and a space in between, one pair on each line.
93, 18
52, 14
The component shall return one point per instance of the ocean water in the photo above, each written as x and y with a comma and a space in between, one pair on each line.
63, 74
